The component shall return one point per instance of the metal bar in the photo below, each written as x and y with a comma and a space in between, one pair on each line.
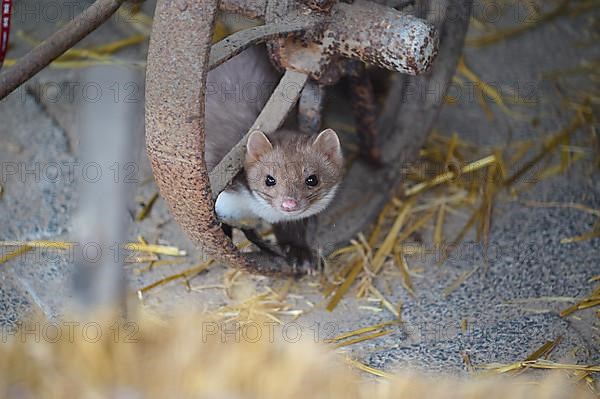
378, 35
310, 107
59, 42
361, 31
364, 108
270, 119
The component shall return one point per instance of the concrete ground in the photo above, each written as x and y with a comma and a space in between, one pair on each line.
510, 303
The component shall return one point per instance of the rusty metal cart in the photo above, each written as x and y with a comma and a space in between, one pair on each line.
315, 42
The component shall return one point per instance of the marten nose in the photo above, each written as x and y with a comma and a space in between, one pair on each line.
289, 204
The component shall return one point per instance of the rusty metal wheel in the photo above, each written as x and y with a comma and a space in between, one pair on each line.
316, 42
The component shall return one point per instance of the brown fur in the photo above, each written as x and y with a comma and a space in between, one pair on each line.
292, 158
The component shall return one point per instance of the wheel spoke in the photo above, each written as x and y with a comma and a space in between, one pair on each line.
237, 42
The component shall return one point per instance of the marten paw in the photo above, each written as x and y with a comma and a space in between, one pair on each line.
302, 260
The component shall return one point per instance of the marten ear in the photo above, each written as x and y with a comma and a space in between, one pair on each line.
328, 144
258, 145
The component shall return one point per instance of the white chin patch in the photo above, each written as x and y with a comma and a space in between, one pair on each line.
265, 211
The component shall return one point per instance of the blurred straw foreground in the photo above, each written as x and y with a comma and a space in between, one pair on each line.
186, 358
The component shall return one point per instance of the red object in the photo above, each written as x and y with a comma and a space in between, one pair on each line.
4, 28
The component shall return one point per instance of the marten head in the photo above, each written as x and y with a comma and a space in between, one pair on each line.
293, 176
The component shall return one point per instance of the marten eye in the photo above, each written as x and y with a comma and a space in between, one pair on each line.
270, 181
312, 181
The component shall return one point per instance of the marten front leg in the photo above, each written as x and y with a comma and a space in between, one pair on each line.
253, 237
257, 240
292, 239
